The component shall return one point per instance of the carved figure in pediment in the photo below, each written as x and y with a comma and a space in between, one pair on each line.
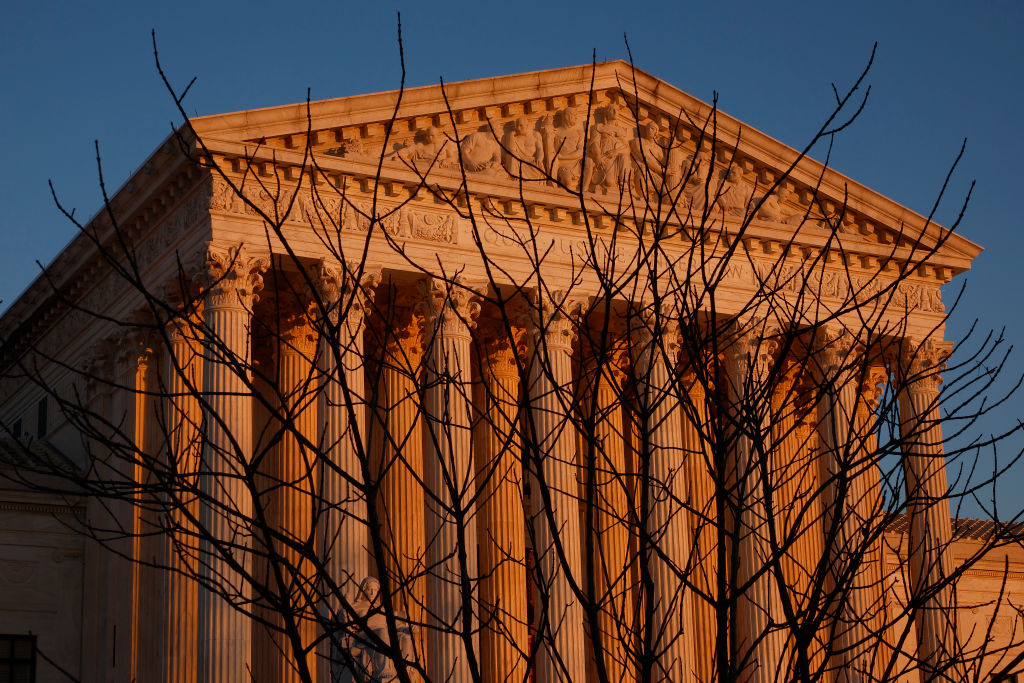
563, 147
774, 208
350, 147
481, 153
524, 150
657, 163
696, 183
430, 148
608, 150
734, 193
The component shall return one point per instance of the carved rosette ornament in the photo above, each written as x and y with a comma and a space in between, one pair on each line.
230, 277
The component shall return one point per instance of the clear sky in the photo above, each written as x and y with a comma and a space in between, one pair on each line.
72, 72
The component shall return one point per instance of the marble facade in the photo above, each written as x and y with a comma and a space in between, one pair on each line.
411, 326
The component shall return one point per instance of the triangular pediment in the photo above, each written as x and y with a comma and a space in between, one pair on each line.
611, 114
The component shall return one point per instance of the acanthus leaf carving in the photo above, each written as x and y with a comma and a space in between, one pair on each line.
230, 277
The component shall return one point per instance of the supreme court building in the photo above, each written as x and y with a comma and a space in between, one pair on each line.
472, 349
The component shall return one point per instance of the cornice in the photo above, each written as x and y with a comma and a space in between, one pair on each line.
763, 240
143, 206
538, 91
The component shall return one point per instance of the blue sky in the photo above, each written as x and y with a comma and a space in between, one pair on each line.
74, 72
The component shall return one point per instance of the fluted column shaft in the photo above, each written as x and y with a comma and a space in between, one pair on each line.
668, 553
798, 512
148, 540
176, 646
398, 464
450, 482
610, 481
704, 525
931, 532
342, 537
551, 458
758, 641
846, 467
287, 498
501, 531
791, 497
224, 633
870, 507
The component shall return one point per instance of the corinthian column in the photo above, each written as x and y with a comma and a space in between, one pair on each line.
837, 364
870, 507
502, 526
759, 643
342, 539
667, 546
931, 532
797, 505
286, 494
551, 459
704, 523
398, 462
450, 311
176, 659
609, 499
232, 279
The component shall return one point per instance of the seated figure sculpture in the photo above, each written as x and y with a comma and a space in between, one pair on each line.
368, 652
608, 151
657, 162
523, 151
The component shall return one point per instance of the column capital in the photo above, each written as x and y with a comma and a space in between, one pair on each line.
499, 349
230, 277
448, 307
832, 345
645, 324
553, 314
399, 329
339, 291
296, 333
132, 351
754, 346
97, 370
920, 362
872, 385
692, 380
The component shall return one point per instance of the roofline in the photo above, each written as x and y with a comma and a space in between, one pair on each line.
375, 107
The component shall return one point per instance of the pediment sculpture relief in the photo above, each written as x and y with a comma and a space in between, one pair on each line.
657, 162
608, 151
563, 145
734, 193
612, 154
523, 150
481, 153
430, 148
